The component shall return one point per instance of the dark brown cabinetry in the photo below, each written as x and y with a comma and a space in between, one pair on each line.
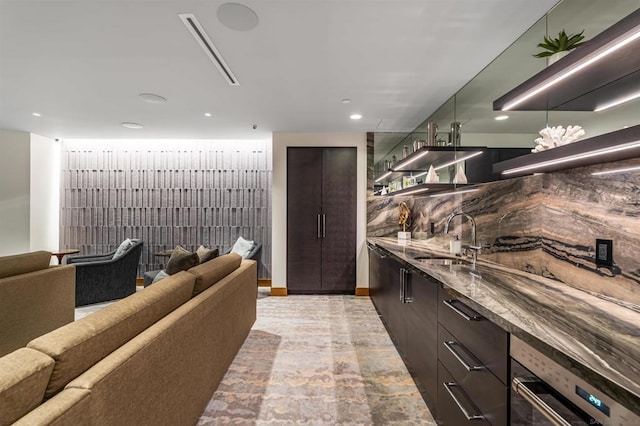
458, 358
407, 303
472, 366
321, 220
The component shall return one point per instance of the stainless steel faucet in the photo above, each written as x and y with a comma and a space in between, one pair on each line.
474, 248
471, 219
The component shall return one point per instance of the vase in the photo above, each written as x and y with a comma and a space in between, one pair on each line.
557, 56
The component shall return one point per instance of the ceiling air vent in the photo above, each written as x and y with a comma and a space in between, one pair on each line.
205, 42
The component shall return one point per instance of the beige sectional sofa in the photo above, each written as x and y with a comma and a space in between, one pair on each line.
153, 358
35, 298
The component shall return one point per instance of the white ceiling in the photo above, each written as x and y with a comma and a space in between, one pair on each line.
81, 64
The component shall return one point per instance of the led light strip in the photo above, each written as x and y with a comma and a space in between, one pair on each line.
475, 154
574, 157
635, 33
618, 102
405, 163
607, 172
443, 194
411, 192
383, 176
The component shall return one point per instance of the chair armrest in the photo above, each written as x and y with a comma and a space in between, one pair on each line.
90, 257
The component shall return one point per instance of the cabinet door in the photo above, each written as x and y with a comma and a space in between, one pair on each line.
376, 263
304, 238
422, 336
396, 310
339, 219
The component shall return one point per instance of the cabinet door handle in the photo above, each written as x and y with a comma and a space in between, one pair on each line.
449, 345
450, 303
465, 412
318, 226
401, 285
408, 294
324, 226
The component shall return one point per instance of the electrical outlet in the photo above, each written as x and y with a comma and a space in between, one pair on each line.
604, 252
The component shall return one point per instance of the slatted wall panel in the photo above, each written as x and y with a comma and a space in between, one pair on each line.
180, 193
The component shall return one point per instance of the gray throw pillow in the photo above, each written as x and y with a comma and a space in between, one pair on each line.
242, 247
181, 260
159, 276
123, 248
205, 254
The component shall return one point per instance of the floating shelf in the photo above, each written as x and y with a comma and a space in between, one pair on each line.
614, 76
420, 161
619, 145
426, 188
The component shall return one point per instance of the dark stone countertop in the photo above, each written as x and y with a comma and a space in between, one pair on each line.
596, 339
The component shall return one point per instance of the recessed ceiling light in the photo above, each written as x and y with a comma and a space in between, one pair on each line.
355, 116
152, 99
130, 125
36, 114
346, 101
207, 114
501, 117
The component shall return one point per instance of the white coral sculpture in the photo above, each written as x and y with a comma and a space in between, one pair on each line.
557, 136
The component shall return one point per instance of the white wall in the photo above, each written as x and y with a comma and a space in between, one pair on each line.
279, 198
14, 192
45, 194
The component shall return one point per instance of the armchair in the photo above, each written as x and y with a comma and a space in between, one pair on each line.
100, 278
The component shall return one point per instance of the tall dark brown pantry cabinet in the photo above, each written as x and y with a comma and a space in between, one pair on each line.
321, 220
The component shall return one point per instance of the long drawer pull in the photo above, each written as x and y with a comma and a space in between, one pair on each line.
465, 412
449, 345
378, 253
450, 303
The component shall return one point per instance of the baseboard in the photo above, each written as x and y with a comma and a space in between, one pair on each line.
278, 291
362, 291
264, 282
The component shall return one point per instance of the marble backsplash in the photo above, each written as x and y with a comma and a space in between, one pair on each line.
544, 224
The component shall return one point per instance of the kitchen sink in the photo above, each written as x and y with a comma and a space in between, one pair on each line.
455, 264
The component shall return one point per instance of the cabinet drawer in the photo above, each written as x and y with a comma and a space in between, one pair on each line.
485, 340
455, 407
488, 394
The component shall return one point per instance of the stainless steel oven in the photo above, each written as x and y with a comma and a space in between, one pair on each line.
544, 393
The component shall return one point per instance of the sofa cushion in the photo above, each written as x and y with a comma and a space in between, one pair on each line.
123, 248
69, 407
24, 263
79, 345
242, 247
181, 260
209, 273
34, 304
24, 375
205, 254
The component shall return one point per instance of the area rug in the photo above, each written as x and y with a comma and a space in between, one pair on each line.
318, 360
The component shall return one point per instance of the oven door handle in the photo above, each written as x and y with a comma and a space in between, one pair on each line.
520, 387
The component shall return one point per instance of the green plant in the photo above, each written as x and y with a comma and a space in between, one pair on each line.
562, 43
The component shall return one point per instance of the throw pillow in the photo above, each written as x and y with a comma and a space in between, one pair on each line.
161, 275
242, 247
205, 254
181, 260
122, 248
